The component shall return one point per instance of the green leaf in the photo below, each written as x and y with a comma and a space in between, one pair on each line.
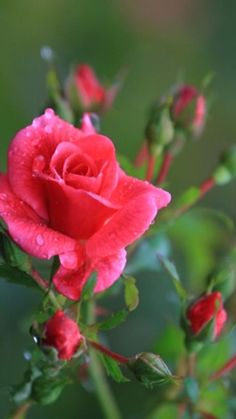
164, 343
189, 197
114, 320
46, 390
12, 254
131, 293
88, 288
172, 271
112, 368
16, 276
192, 389
167, 411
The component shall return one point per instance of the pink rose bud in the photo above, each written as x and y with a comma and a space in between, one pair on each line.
62, 333
204, 310
91, 94
189, 109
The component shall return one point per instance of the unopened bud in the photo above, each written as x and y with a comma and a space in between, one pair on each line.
188, 110
150, 369
205, 319
159, 130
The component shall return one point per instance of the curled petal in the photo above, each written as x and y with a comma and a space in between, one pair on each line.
28, 230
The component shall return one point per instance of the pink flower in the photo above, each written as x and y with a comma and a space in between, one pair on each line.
189, 109
92, 95
205, 309
62, 333
65, 194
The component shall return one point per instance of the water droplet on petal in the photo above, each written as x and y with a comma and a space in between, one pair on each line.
39, 164
48, 129
3, 196
36, 123
40, 240
49, 113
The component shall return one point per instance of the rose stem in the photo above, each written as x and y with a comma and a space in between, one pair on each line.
44, 286
117, 357
20, 411
165, 166
104, 395
228, 366
150, 167
141, 156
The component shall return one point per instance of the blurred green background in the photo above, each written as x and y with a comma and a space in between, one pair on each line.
158, 42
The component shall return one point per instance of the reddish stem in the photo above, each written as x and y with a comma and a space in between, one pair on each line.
206, 186
164, 170
40, 281
150, 167
228, 366
142, 155
119, 358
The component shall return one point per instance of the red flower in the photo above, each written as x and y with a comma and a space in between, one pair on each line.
92, 95
205, 309
189, 109
65, 194
62, 333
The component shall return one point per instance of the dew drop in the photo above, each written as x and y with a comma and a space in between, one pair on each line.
49, 113
48, 129
36, 123
40, 240
3, 196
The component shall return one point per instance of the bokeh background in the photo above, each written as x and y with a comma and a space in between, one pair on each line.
158, 42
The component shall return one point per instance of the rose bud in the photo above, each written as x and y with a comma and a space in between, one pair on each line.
226, 170
85, 90
159, 129
62, 333
64, 194
188, 110
150, 369
206, 309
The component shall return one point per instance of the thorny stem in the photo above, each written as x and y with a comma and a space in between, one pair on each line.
142, 155
164, 170
102, 389
117, 357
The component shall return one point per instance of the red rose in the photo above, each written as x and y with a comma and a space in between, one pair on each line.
65, 194
62, 333
91, 93
205, 309
189, 109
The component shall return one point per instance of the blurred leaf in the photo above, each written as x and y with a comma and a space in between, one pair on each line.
172, 271
46, 390
188, 198
88, 289
145, 256
16, 276
213, 356
112, 368
114, 320
12, 254
167, 411
131, 293
164, 343
214, 399
192, 389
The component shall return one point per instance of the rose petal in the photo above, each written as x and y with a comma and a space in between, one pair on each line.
76, 213
28, 230
141, 202
38, 139
70, 283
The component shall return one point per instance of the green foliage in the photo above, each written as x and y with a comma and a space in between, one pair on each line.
88, 289
131, 293
113, 369
17, 276
170, 344
166, 411
191, 388
172, 271
113, 321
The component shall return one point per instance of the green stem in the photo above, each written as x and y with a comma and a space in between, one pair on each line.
102, 389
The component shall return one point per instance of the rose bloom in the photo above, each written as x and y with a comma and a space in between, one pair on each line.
62, 333
65, 194
189, 109
91, 93
204, 310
